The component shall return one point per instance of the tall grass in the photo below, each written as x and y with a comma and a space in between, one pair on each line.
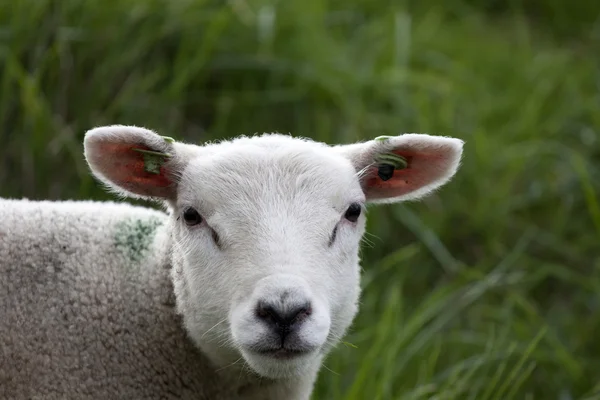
488, 289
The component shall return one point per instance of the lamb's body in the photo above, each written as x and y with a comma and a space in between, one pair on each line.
87, 307
239, 292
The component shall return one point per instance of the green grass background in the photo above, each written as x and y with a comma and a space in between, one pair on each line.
487, 290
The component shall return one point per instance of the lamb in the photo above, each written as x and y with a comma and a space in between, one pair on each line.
237, 288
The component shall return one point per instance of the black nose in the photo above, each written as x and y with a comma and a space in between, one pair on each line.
283, 318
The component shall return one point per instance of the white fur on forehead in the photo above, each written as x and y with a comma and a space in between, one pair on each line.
245, 167
271, 142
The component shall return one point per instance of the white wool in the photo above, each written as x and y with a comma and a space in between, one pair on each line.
105, 300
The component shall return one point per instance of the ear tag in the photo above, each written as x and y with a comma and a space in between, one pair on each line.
168, 139
382, 138
153, 160
388, 162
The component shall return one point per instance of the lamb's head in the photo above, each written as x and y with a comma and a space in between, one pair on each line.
266, 230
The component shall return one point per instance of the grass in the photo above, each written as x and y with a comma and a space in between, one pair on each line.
487, 290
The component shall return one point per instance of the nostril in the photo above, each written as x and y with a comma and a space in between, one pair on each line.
268, 313
261, 313
302, 313
265, 311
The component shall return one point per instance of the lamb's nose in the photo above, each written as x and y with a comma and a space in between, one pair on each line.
283, 317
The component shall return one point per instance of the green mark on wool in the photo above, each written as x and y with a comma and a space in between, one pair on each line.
134, 236
168, 139
382, 138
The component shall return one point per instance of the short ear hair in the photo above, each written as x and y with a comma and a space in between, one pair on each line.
134, 161
405, 167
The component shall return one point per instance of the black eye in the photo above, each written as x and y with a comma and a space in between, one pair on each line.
191, 217
353, 212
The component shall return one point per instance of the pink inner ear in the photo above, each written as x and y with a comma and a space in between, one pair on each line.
423, 169
127, 168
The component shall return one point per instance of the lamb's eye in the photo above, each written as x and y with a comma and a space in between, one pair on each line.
191, 217
353, 212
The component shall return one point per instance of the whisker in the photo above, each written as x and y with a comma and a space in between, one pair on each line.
368, 242
373, 236
362, 172
213, 327
230, 365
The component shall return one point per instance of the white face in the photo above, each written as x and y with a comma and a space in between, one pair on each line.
270, 235
267, 229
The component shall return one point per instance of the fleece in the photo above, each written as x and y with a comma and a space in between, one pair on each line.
87, 308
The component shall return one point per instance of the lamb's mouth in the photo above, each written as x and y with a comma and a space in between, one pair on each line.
283, 352
277, 362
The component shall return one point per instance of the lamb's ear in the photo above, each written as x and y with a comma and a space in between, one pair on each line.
405, 167
133, 161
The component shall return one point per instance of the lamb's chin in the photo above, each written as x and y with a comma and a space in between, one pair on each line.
282, 365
